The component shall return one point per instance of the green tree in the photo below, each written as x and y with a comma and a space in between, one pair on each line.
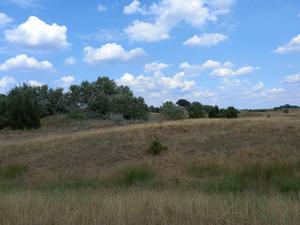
232, 112
196, 110
173, 112
23, 108
183, 103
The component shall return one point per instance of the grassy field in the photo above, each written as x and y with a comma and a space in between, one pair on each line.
218, 171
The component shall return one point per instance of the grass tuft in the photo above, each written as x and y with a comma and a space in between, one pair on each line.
137, 175
13, 171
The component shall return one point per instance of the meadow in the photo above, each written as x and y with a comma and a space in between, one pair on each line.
210, 171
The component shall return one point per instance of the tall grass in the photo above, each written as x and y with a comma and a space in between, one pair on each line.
136, 207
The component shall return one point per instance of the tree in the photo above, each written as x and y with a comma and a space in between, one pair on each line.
196, 110
214, 112
183, 103
173, 112
23, 108
232, 112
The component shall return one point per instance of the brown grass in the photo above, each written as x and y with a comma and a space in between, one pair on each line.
136, 207
74, 173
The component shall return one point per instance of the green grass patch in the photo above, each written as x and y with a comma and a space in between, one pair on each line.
282, 177
13, 171
136, 175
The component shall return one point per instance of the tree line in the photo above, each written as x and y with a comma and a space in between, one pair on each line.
24, 106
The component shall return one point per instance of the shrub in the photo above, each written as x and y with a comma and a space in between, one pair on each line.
156, 147
183, 103
173, 112
23, 108
13, 171
136, 175
196, 110
232, 112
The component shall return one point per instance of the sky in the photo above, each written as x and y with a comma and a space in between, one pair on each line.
242, 53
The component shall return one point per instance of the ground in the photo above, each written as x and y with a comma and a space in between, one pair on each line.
214, 171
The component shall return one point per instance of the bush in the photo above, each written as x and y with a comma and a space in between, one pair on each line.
232, 112
156, 147
196, 110
173, 112
23, 108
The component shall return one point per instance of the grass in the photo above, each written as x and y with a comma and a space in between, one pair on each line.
229, 172
136, 206
138, 175
13, 170
278, 176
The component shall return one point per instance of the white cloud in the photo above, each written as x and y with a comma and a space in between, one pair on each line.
133, 7
70, 61
6, 81
67, 79
4, 19
36, 33
24, 62
155, 66
142, 31
167, 14
275, 91
292, 46
157, 82
229, 72
35, 83
294, 78
218, 69
110, 52
101, 8
206, 40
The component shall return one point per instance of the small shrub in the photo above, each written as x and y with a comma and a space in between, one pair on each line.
13, 171
136, 175
156, 147
286, 111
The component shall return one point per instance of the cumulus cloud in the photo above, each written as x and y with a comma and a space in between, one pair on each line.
70, 61
35, 83
206, 40
4, 19
6, 81
294, 78
67, 79
157, 82
218, 69
111, 52
133, 7
167, 14
36, 33
292, 46
155, 66
24, 62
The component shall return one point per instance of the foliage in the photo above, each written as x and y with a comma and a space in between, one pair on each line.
183, 103
196, 110
231, 112
156, 147
173, 112
23, 108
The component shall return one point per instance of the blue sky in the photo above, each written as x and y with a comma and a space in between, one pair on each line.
227, 52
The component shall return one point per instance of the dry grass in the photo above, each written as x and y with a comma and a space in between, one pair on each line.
136, 207
94, 173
